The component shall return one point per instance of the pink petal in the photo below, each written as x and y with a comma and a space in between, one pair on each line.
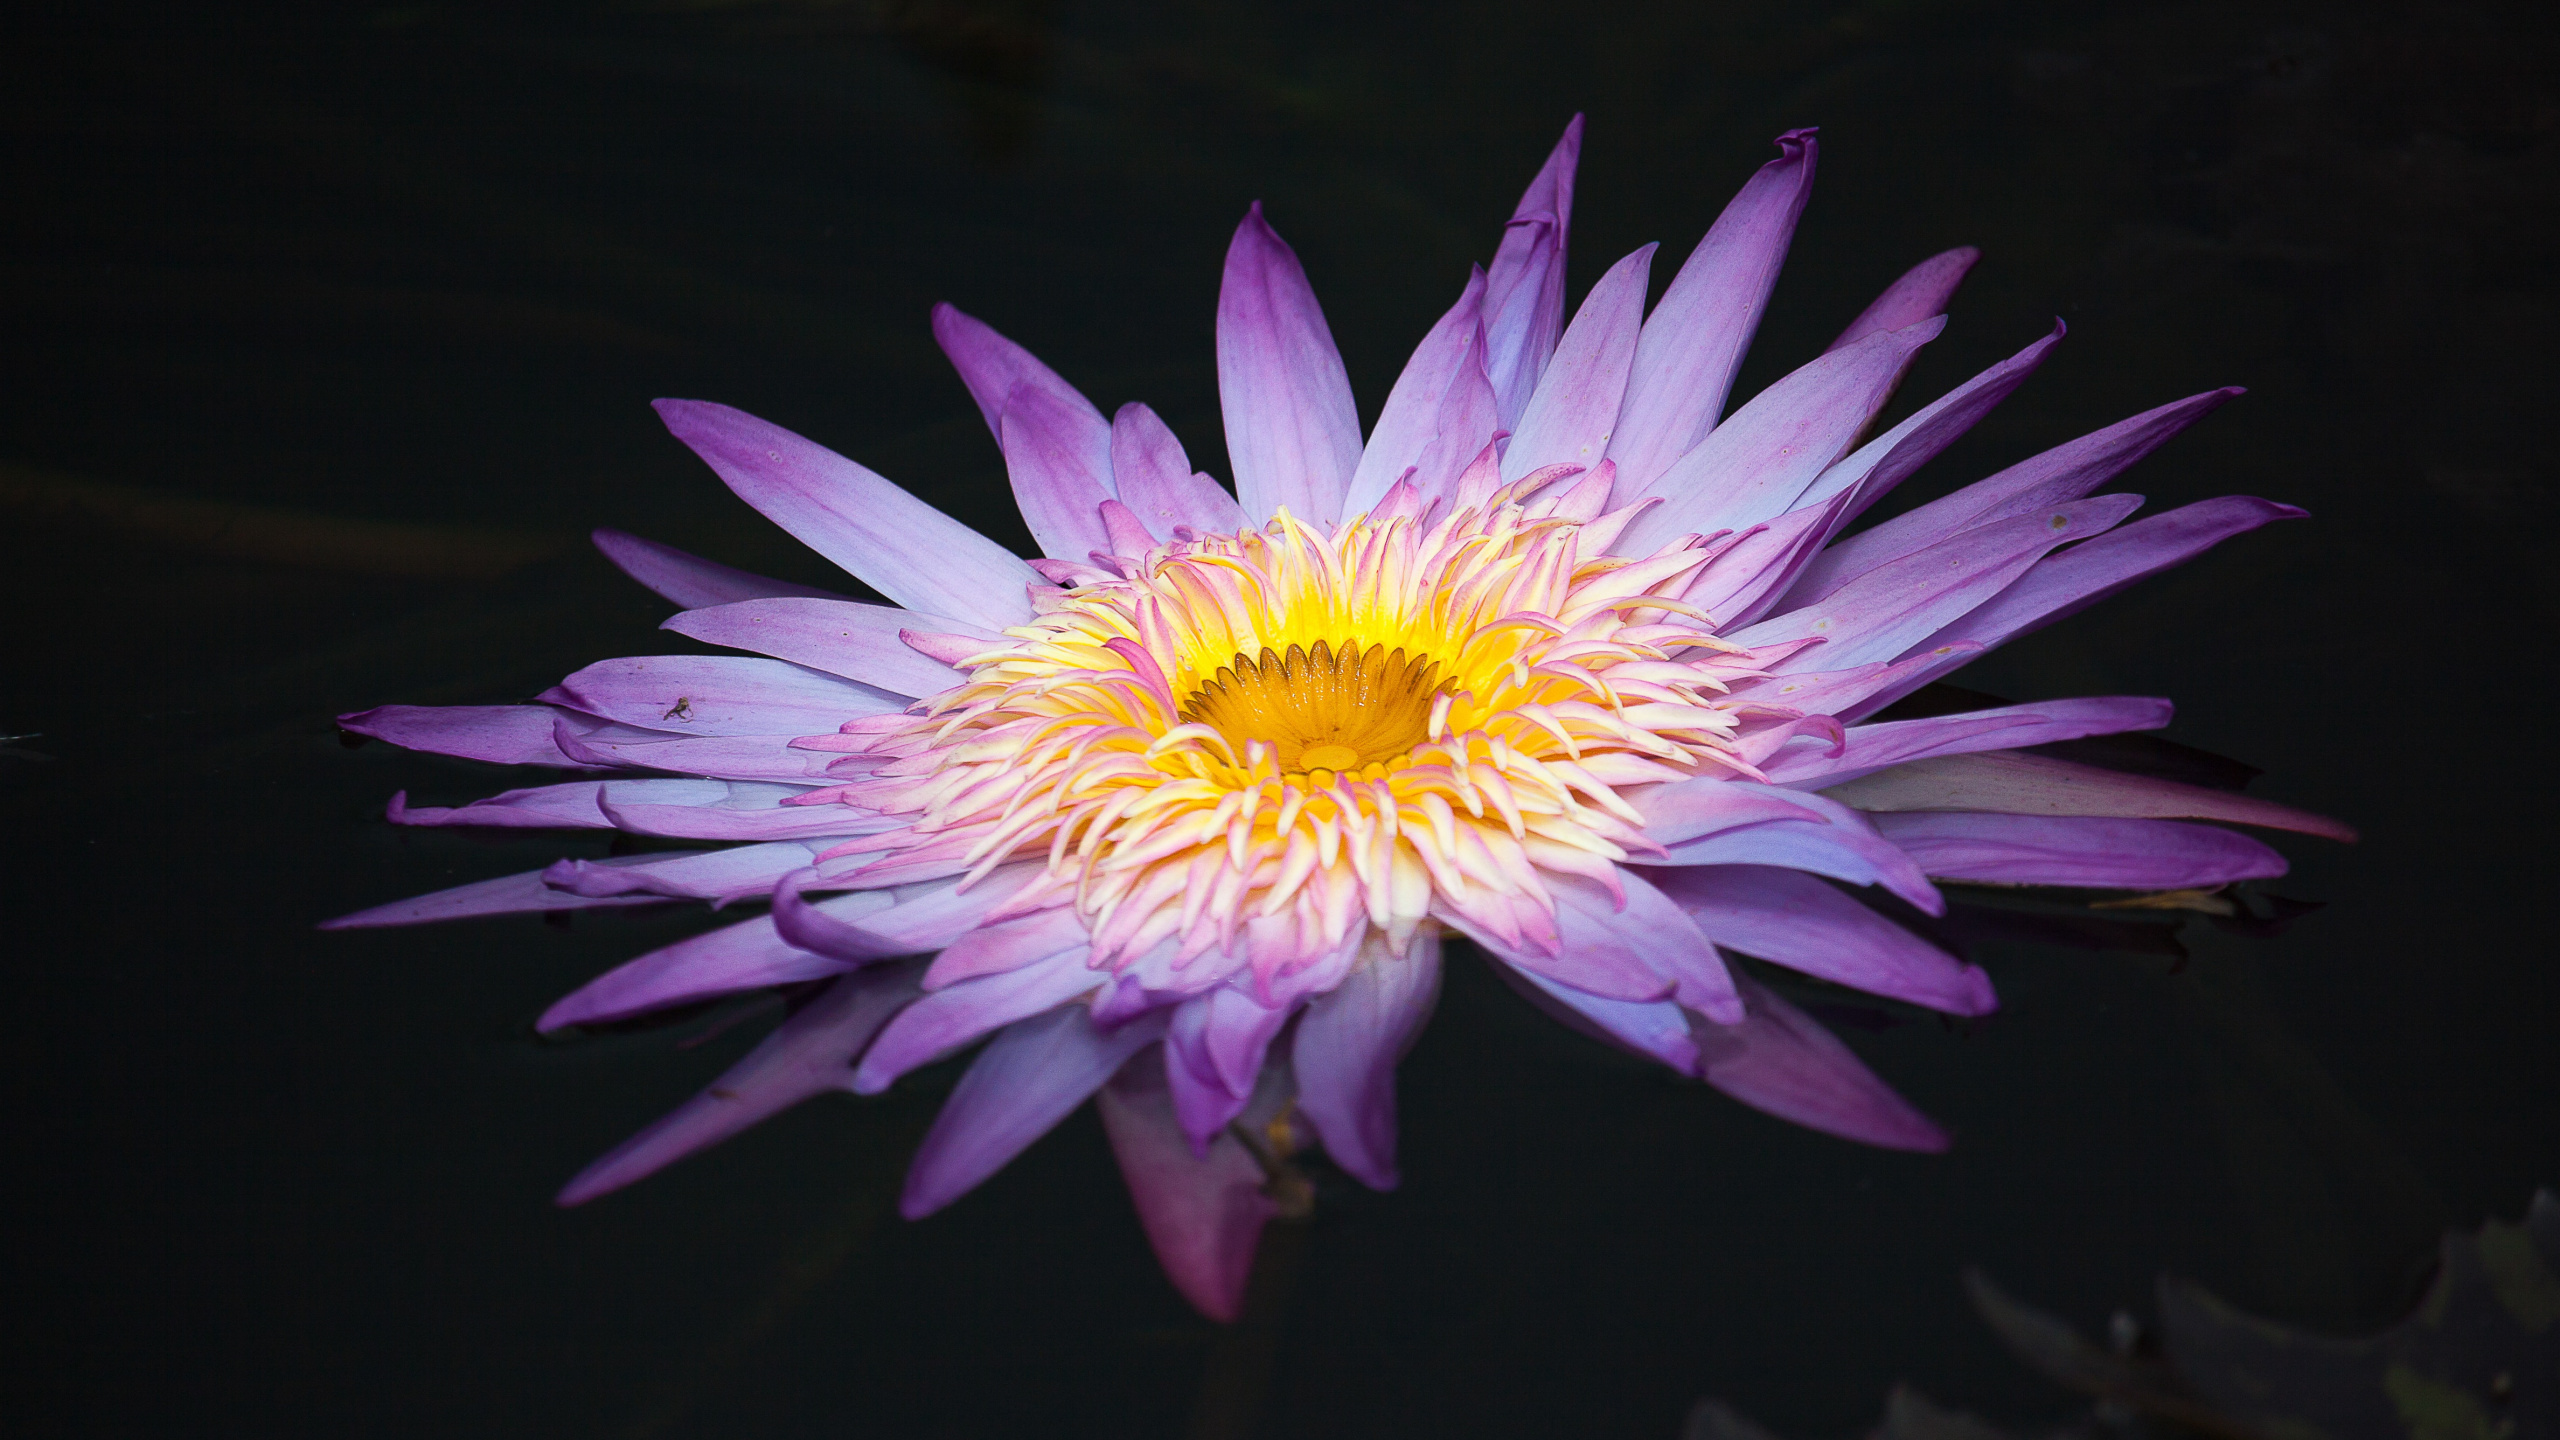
690, 580
1694, 341
1293, 434
1346, 1050
1204, 1217
1155, 479
897, 544
1058, 454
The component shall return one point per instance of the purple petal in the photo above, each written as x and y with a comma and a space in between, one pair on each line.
2040, 785
1059, 456
500, 734
1411, 415
1749, 575
1845, 845
1603, 965
2093, 853
547, 807
1214, 1047
992, 366
1694, 341
808, 1054
2065, 472
723, 757
1524, 289
1027, 1080
926, 916
1574, 410
729, 810
840, 637
1204, 1217
1467, 423
1293, 434
1346, 1051
1899, 605
1008, 945
1155, 479
690, 580
1650, 930
897, 544
1873, 747
1923, 291
506, 895
719, 695
719, 875
948, 1019
1888, 460
1688, 809
1780, 1061
1653, 1029
747, 956
1758, 463
1793, 919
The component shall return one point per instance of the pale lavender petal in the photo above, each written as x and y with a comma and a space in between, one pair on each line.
926, 916
718, 875
1873, 747
1346, 1050
2095, 853
1609, 971
2040, 785
1155, 479
1203, 1217
749, 955
690, 580
1923, 291
1839, 692
1844, 844
546, 807
808, 1054
1903, 603
840, 637
719, 695
1293, 434
1213, 1048
500, 734
1793, 919
1760, 462
1058, 454
1008, 945
992, 366
2065, 472
730, 810
1027, 1080
1780, 1061
724, 757
1687, 809
1751, 572
1411, 415
1648, 929
1572, 414
948, 1019
897, 544
1693, 342
1889, 459
1524, 288
506, 895
1467, 424
1655, 1029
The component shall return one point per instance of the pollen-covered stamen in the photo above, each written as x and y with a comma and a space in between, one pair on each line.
1325, 708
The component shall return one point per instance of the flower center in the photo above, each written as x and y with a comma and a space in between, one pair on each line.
1322, 709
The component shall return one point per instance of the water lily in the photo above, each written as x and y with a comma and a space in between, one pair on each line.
1561, 659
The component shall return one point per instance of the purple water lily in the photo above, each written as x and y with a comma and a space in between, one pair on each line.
1562, 659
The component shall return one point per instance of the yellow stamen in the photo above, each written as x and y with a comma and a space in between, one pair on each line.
1338, 710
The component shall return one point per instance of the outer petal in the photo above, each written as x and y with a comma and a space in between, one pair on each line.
809, 1054
716, 875
746, 956
1573, 413
1293, 434
1017, 1090
1923, 291
501, 734
1780, 1061
1757, 464
690, 580
1869, 748
2103, 854
719, 695
1793, 919
1694, 341
2020, 784
897, 544
506, 895
948, 1019
2065, 472
1411, 415
1889, 459
1155, 479
1655, 1029
842, 637
992, 366
546, 807
1346, 1051
1524, 289
1204, 1217
1058, 454
724, 757
1844, 845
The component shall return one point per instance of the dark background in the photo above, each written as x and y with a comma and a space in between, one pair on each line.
330, 330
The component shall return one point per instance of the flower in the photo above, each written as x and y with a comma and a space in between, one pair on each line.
1561, 659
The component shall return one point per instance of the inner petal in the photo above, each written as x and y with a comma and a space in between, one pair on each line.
1328, 708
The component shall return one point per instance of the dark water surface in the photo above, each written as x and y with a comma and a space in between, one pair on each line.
330, 332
